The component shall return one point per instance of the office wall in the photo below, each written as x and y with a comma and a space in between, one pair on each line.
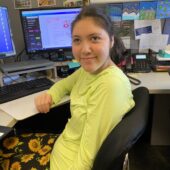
15, 21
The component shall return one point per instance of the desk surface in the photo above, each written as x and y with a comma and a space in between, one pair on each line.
24, 107
156, 82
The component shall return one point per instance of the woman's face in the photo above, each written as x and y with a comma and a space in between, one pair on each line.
91, 46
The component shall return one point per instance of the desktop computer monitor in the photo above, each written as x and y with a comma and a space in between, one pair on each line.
47, 30
7, 48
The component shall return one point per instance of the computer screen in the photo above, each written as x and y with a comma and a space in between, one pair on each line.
7, 48
47, 29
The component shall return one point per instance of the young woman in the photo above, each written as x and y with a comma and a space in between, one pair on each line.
100, 93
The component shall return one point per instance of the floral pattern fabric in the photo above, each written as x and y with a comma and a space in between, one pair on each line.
30, 151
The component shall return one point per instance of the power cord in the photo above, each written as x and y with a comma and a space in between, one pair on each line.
18, 57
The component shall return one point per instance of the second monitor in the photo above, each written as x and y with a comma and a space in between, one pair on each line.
7, 48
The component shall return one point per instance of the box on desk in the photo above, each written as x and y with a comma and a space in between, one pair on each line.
67, 69
164, 54
158, 63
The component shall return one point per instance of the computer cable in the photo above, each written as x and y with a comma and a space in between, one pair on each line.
18, 57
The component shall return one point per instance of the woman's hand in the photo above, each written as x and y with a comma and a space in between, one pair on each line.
43, 102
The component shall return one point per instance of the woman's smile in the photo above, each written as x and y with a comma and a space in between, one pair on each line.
87, 58
88, 61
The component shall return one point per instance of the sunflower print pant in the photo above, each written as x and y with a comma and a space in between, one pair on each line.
30, 151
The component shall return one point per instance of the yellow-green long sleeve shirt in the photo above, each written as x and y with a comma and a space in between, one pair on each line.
97, 104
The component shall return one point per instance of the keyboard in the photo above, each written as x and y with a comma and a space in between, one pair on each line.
18, 90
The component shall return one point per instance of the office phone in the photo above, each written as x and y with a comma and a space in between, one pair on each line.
138, 63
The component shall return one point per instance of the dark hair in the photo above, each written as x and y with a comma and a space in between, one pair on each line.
104, 21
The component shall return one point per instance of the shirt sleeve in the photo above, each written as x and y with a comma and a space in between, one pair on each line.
63, 87
107, 105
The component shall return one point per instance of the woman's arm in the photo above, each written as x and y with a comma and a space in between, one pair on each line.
63, 87
45, 100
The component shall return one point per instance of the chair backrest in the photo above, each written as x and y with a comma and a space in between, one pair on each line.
111, 154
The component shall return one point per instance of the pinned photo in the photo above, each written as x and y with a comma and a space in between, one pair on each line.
42, 3
20, 4
73, 3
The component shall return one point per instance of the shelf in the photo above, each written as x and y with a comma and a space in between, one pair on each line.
3, 75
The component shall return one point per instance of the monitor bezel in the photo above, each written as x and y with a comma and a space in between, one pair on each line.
49, 50
4, 55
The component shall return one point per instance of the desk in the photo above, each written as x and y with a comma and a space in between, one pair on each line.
159, 85
156, 82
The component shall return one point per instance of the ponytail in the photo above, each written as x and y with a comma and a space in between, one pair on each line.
118, 52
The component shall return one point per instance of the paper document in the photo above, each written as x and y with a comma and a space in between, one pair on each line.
153, 41
146, 27
24, 107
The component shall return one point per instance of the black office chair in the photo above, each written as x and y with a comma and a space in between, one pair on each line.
114, 149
